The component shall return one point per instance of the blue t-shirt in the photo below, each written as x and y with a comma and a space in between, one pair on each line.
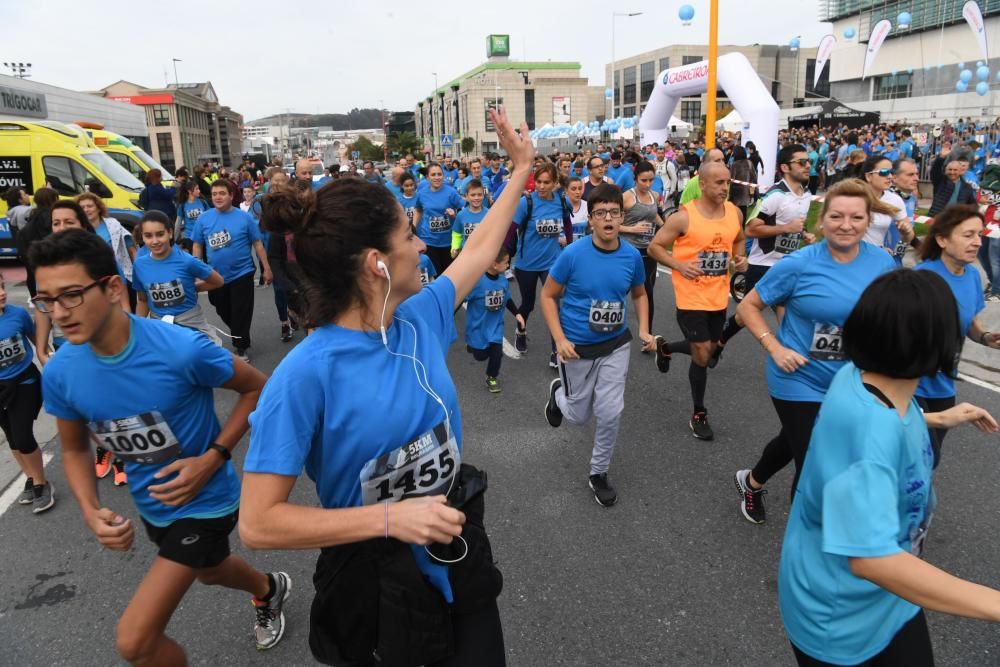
865, 491
818, 294
462, 185
968, 291
484, 314
409, 204
228, 239
340, 401
597, 283
435, 226
393, 188
622, 175
428, 272
17, 331
449, 176
538, 248
813, 163
189, 212
466, 222
169, 283
155, 405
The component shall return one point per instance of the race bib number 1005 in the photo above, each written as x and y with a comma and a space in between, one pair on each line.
423, 467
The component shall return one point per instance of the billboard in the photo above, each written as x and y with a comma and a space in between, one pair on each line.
497, 45
561, 110
22, 103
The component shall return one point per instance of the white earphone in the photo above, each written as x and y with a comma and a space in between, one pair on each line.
381, 265
385, 272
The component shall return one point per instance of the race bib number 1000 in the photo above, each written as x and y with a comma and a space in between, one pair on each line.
422, 467
827, 343
145, 438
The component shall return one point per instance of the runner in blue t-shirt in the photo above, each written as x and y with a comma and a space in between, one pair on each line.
427, 271
583, 303
852, 581
469, 217
818, 286
484, 318
366, 406
188, 212
436, 208
156, 411
229, 236
407, 196
949, 250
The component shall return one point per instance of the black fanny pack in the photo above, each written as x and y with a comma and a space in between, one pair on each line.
598, 350
373, 605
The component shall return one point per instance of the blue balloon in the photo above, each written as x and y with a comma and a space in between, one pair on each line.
904, 19
982, 88
940, 66
979, 63
848, 33
983, 73
909, 70
686, 13
794, 44
608, 93
961, 65
961, 86
965, 76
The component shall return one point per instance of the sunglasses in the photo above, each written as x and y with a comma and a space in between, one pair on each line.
884, 173
804, 162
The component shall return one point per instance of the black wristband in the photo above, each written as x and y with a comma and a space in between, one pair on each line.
225, 453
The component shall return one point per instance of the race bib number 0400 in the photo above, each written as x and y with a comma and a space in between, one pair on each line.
827, 343
714, 263
423, 467
145, 438
606, 316
438, 223
219, 240
166, 294
787, 243
12, 351
548, 228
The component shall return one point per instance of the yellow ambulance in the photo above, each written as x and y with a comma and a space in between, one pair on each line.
124, 152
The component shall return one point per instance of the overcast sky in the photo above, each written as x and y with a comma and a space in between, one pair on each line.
266, 57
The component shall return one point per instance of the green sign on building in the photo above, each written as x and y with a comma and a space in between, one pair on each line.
497, 45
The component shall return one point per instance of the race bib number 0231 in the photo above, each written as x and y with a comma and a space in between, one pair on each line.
424, 466
144, 438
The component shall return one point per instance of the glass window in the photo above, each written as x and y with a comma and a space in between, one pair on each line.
490, 103
165, 146
691, 112
628, 93
161, 115
628, 112
129, 163
646, 76
148, 160
529, 108
65, 176
687, 60
114, 171
893, 86
618, 85
664, 64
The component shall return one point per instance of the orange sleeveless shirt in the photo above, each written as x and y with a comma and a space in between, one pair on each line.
708, 242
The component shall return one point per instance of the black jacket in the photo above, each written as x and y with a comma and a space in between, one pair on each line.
942, 195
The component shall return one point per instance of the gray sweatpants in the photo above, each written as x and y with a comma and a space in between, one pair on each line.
595, 386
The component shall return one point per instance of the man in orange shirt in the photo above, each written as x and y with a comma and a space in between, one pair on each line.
707, 238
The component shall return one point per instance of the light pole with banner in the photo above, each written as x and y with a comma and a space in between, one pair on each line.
613, 85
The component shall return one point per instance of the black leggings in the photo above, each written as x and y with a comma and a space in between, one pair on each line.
936, 434
527, 282
440, 258
911, 646
649, 264
797, 420
18, 419
494, 353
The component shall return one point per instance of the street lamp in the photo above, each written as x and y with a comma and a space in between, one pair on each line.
614, 88
793, 46
20, 70
434, 104
177, 83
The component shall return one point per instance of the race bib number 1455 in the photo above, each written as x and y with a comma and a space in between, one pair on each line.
424, 466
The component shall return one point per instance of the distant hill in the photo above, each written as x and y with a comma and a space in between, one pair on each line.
355, 119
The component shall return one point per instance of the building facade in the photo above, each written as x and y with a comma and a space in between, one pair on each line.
534, 92
914, 74
187, 125
786, 73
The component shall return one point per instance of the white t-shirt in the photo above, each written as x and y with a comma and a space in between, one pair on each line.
782, 206
880, 221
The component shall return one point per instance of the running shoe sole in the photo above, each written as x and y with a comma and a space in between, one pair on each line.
598, 500
281, 616
662, 360
743, 490
52, 500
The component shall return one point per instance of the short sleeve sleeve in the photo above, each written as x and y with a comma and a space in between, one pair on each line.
455, 200
207, 364
419, 203
196, 234
563, 267
54, 392
198, 268
860, 515
283, 426
771, 203
777, 284
435, 304
521, 210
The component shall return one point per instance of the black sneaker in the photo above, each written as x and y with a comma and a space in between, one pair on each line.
699, 426
521, 340
752, 504
604, 493
294, 323
269, 625
713, 360
662, 356
286, 333
553, 415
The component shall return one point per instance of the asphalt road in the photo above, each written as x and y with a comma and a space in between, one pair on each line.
671, 575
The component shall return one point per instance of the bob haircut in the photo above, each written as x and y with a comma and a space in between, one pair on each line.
905, 326
944, 224
102, 209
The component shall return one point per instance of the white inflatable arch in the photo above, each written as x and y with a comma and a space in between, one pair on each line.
743, 87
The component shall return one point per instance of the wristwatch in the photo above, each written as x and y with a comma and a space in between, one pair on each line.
982, 338
225, 453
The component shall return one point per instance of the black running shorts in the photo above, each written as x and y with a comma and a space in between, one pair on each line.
699, 326
195, 543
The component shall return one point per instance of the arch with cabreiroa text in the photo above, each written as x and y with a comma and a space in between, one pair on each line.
742, 86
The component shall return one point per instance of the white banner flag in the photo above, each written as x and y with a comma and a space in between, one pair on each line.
823, 52
974, 17
875, 40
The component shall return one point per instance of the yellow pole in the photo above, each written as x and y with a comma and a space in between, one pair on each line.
713, 57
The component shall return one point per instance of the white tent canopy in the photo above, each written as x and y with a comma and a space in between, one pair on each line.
733, 122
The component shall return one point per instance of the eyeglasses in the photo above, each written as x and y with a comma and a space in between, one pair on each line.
884, 173
803, 162
601, 214
69, 299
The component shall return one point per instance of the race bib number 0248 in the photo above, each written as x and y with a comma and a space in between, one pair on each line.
424, 466
145, 438
438, 223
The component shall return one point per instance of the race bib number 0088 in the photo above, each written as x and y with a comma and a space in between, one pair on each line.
145, 438
424, 466
166, 294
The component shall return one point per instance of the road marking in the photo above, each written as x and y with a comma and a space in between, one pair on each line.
14, 489
978, 382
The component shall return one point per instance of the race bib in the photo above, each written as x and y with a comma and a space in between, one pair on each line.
468, 228
166, 294
787, 243
12, 351
425, 277
144, 438
900, 249
548, 228
193, 213
219, 240
438, 223
827, 343
409, 213
606, 316
494, 300
423, 467
714, 263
